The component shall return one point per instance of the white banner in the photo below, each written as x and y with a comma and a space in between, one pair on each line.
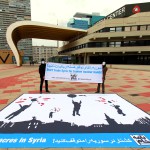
74, 73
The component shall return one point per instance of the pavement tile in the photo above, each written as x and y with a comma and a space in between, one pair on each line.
148, 86
90, 89
11, 91
27, 85
34, 92
82, 85
145, 94
3, 101
144, 106
66, 89
127, 86
117, 90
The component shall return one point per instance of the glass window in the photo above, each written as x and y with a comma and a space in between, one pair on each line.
97, 44
112, 29
142, 28
118, 44
141, 43
148, 27
147, 42
127, 28
104, 44
126, 43
132, 43
118, 29
134, 28
111, 44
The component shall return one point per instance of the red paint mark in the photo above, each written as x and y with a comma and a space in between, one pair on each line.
42, 104
19, 102
3, 101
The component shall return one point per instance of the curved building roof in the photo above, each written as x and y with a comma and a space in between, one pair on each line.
30, 29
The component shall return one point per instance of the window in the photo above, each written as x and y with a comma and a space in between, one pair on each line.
142, 28
118, 29
148, 27
127, 28
112, 29
141, 43
118, 44
104, 44
147, 42
134, 28
97, 44
126, 43
132, 43
111, 44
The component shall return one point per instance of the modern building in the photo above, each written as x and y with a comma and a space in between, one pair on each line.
7, 56
92, 18
45, 52
122, 37
83, 20
78, 23
10, 12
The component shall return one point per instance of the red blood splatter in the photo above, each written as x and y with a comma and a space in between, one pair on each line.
20, 102
46, 99
103, 101
42, 104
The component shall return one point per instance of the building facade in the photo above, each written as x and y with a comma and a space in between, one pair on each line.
45, 52
79, 24
122, 37
84, 21
7, 56
10, 12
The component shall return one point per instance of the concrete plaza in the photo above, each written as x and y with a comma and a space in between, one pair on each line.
130, 82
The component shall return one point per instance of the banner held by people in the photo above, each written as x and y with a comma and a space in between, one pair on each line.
74, 73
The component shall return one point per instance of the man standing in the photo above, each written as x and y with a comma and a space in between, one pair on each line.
103, 79
42, 68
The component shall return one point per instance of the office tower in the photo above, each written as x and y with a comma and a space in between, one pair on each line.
10, 12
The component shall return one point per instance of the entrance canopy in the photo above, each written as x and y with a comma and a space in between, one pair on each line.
30, 29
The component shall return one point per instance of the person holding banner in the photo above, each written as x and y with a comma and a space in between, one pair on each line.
103, 79
42, 76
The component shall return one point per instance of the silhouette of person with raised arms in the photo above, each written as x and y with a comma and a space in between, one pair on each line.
51, 114
16, 113
22, 108
119, 110
76, 108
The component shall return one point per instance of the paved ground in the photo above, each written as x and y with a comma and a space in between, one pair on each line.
133, 85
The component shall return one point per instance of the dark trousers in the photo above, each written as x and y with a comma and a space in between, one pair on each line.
103, 86
41, 84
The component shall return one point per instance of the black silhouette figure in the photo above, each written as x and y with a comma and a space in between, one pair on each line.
76, 108
51, 114
33, 99
119, 110
16, 113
